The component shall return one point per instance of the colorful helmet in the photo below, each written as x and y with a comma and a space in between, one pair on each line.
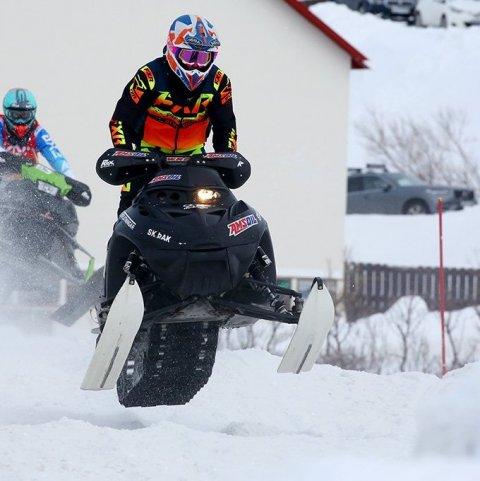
20, 108
192, 46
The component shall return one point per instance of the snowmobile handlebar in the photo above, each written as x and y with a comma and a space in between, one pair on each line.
79, 193
119, 166
20, 168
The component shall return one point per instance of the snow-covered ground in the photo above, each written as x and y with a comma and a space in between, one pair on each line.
414, 240
249, 422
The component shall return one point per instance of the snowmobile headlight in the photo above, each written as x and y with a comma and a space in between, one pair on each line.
206, 196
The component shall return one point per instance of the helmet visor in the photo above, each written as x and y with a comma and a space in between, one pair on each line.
191, 59
20, 116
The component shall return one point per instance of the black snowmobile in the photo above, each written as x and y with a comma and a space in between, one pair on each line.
38, 225
186, 259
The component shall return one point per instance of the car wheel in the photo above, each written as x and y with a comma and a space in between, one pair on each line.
443, 22
415, 207
418, 20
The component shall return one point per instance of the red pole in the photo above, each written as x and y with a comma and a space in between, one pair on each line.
442, 284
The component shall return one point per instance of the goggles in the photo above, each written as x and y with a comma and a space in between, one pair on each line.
194, 58
20, 116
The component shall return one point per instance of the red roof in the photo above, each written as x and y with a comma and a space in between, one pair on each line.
358, 59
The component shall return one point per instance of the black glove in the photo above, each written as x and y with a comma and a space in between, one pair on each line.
80, 193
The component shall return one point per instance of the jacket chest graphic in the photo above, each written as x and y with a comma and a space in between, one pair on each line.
25, 151
165, 108
25, 148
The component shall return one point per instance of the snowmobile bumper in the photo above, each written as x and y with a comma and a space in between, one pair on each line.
229, 312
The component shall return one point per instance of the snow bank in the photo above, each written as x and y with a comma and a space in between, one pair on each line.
449, 420
247, 423
400, 240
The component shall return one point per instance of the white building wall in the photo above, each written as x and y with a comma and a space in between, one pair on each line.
292, 108
290, 95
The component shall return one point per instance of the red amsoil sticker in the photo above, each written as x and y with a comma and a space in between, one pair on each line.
241, 225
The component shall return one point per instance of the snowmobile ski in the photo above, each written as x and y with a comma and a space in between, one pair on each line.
314, 324
121, 327
86, 296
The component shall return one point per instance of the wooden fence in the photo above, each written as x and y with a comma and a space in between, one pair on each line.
373, 288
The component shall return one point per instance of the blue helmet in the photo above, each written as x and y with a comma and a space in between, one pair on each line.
192, 46
19, 107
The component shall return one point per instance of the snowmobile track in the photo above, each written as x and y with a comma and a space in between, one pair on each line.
169, 364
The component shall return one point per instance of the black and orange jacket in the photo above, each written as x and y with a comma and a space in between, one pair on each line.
157, 111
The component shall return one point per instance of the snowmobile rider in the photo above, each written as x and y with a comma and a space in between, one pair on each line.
22, 135
173, 102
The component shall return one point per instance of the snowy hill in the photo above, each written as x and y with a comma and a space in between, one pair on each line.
414, 72
414, 240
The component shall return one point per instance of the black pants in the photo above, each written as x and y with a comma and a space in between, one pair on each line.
134, 187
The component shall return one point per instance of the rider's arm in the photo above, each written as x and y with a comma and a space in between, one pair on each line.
222, 117
129, 114
127, 121
47, 147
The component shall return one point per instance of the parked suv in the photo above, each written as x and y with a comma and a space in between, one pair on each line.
377, 191
394, 9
